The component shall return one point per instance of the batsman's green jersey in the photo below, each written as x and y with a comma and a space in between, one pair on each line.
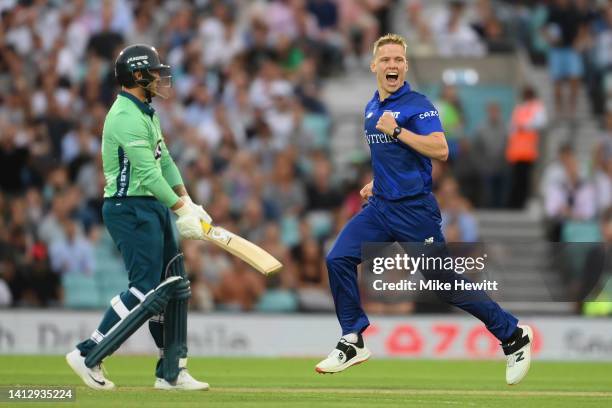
135, 159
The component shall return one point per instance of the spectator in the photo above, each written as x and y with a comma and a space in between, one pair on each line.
325, 40
458, 222
220, 36
466, 170
106, 41
6, 298
567, 195
27, 271
602, 175
320, 192
313, 294
451, 115
356, 20
13, 159
284, 116
490, 29
240, 288
417, 31
50, 229
145, 29
566, 32
454, 36
73, 254
602, 82
286, 193
489, 147
528, 120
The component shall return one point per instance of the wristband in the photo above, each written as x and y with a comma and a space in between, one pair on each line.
183, 210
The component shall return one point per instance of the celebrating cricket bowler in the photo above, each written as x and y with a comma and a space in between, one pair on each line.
142, 184
404, 133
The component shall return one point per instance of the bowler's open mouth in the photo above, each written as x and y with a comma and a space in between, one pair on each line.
392, 77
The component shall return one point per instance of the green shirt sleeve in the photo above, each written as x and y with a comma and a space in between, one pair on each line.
169, 170
138, 150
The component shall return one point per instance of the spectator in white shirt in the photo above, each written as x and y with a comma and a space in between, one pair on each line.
454, 36
567, 195
72, 255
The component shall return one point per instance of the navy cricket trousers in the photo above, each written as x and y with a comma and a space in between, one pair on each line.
143, 231
409, 220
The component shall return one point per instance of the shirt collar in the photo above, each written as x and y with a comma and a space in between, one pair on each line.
403, 90
144, 107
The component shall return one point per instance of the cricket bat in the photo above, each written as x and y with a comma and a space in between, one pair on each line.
243, 249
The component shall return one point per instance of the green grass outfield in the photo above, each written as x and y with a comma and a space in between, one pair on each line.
292, 382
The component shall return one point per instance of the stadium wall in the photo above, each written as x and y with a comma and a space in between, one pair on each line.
431, 337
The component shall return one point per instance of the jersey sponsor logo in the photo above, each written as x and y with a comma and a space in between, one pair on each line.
158, 150
429, 114
378, 138
395, 114
140, 142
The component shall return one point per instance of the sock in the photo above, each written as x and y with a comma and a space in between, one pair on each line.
110, 319
351, 337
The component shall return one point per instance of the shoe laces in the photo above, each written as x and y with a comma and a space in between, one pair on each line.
100, 369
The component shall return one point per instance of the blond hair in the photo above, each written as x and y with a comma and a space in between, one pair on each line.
390, 39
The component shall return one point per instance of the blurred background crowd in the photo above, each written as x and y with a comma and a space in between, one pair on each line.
250, 126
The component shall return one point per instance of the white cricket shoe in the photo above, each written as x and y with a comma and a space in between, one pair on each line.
518, 356
92, 377
343, 356
184, 382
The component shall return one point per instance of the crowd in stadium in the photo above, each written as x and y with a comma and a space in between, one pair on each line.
249, 128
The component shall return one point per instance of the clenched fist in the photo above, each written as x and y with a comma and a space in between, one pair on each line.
386, 123
366, 191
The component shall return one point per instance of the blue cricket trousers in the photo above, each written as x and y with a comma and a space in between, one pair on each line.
409, 220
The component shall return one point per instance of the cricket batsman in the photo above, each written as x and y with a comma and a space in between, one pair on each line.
404, 133
142, 184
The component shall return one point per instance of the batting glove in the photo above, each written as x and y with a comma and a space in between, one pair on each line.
198, 209
188, 222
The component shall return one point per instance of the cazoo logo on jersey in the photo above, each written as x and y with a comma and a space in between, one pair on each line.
429, 114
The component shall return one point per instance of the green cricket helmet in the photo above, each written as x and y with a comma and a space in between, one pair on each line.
143, 58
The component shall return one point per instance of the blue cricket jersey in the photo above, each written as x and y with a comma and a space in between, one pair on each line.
399, 171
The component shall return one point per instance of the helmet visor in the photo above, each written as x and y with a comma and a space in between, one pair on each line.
165, 75
157, 80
